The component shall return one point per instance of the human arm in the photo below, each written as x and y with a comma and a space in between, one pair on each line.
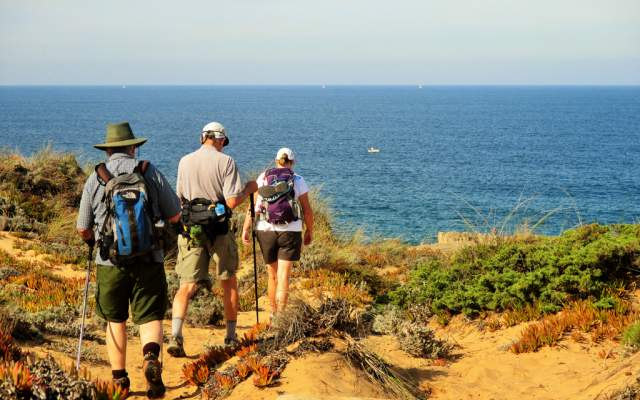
249, 188
168, 201
248, 221
307, 214
85, 221
179, 184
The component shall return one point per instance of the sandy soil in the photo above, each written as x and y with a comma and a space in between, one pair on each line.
482, 368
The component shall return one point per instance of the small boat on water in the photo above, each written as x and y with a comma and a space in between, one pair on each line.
373, 150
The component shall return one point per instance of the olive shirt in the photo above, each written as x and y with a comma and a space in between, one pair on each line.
208, 174
92, 211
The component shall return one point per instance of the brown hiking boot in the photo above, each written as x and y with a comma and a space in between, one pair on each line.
153, 373
123, 382
176, 346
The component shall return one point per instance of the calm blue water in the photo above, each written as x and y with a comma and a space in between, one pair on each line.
448, 154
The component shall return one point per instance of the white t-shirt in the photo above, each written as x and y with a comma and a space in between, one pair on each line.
299, 187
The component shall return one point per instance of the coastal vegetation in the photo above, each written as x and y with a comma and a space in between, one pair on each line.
577, 286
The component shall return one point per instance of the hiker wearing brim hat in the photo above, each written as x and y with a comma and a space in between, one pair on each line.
209, 187
129, 277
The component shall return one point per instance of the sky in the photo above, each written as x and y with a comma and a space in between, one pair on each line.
430, 42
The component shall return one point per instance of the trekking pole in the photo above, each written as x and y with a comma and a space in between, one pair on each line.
255, 268
84, 304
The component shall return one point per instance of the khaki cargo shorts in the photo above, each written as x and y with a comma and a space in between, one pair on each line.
192, 265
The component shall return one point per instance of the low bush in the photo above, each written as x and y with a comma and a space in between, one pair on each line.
581, 263
34, 190
413, 335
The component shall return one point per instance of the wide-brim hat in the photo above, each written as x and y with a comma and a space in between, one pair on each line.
119, 135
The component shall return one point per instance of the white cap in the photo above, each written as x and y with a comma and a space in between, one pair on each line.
217, 130
285, 151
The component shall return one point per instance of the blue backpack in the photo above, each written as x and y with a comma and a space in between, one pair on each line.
127, 231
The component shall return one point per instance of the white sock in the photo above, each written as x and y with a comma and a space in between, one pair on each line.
176, 326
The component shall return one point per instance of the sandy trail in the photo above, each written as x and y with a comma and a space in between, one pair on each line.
482, 368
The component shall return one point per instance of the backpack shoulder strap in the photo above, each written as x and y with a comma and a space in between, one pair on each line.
142, 167
103, 174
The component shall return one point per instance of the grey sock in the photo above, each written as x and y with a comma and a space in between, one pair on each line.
231, 329
176, 326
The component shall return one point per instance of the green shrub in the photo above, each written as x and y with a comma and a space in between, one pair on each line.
631, 335
581, 263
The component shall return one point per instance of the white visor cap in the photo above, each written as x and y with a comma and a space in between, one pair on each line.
285, 151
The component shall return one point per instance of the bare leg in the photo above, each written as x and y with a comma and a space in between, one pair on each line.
151, 332
230, 287
181, 300
116, 333
272, 273
282, 293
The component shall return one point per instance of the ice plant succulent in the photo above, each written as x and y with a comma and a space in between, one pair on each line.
225, 382
263, 376
106, 390
214, 356
242, 370
196, 373
245, 351
19, 375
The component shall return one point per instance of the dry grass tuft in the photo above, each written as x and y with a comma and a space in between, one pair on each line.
581, 316
380, 373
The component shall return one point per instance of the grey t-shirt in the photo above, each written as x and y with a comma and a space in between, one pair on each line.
209, 174
92, 211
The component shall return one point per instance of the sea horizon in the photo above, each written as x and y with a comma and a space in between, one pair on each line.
452, 157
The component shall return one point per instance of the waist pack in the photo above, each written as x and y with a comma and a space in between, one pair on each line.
204, 217
127, 231
279, 205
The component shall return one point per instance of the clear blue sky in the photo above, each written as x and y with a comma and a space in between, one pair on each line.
314, 42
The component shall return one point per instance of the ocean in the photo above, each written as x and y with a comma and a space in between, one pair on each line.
451, 158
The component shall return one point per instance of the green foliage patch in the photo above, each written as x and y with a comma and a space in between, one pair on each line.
631, 335
585, 262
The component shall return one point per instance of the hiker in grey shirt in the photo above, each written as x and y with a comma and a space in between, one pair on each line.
138, 283
209, 179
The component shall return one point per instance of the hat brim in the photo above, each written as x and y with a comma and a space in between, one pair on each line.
123, 143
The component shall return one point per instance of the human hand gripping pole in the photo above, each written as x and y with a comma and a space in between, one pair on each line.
90, 243
255, 268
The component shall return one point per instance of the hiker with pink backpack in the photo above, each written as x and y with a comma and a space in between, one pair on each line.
282, 209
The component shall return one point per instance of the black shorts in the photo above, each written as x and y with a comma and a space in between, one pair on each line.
280, 245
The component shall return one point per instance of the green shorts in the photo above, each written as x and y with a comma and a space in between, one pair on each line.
192, 265
142, 286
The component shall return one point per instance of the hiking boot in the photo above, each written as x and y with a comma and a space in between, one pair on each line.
153, 373
123, 382
231, 342
176, 346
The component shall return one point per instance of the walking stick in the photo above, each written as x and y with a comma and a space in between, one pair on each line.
84, 304
255, 268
